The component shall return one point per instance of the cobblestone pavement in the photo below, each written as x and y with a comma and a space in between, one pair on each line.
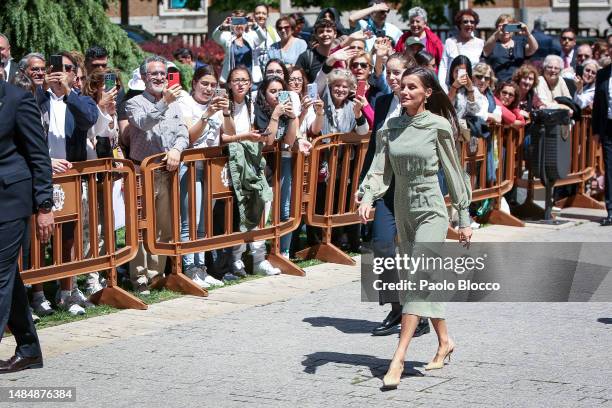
311, 347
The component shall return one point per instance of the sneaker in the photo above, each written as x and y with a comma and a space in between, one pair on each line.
230, 277
141, 287
35, 317
212, 281
238, 269
80, 298
93, 287
70, 304
42, 306
195, 273
266, 268
285, 255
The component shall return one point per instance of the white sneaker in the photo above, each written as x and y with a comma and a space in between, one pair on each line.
93, 287
212, 281
80, 298
238, 269
70, 303
141, 287
266, 268
35, 317
285, 255
195, 274
42, 306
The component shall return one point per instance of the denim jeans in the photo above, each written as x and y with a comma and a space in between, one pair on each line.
285, 199
197, 259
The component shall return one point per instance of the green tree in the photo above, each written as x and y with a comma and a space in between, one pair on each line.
47, 26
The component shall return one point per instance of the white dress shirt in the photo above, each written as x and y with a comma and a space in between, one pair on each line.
57, 126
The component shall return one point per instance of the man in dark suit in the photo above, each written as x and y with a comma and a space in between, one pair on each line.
383, 227
6, 62
568, 48
602, 128
25, 187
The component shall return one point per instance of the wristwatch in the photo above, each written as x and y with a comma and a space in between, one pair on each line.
46, 205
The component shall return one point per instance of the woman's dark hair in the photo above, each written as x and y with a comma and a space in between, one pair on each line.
247, 97
304, 78
260, 100
513, 85
95, 81
423, 58
459, 60
201, 72
24, 82
438, 102
468, 12
283, 66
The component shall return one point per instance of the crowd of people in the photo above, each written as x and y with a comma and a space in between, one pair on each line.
289, 83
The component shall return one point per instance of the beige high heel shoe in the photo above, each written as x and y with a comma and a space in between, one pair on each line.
436, 365
390, 381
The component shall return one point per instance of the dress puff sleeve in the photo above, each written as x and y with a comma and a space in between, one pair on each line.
458, 181
378, 178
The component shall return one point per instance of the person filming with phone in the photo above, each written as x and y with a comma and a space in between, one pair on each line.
158, 127
504, 50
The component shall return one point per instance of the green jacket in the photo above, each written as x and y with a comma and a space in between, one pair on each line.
246, 165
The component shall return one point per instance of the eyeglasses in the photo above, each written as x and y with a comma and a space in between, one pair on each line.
157, 74
278, 72
356, 47
283, 28
473, 22
508, 94
100, 65
296, 80
69, 67
363, 65
568, 39
239, 81
37, 69
79, 79
481, 77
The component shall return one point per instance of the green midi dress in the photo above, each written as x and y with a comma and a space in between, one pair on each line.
413, 148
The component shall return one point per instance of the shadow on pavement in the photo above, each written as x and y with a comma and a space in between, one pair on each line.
349, 326
605, 320
377, 366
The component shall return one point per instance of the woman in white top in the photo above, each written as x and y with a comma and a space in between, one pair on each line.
551, 85
207, 117
585, 84
463, 44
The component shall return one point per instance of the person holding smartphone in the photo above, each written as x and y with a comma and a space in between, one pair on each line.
239, 37
465, 97
206, 113
504, 50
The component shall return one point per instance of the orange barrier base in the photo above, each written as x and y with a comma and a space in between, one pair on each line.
499, 217
178, 282
117, 297
286, 266
580, 200
326, 252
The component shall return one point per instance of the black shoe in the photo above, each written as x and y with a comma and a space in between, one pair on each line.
422, 328
606, 222
389, 325
18, 363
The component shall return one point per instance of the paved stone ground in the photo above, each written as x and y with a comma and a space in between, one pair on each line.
286, 341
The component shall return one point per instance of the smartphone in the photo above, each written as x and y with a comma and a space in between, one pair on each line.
239, 21
461, 72
361, 88
174, 78
283, 96
512, 28
110, 81
57, 61
264, 132
312, 92
579, 70
220, 92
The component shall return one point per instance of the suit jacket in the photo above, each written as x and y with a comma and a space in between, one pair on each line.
81, 115
600, 102
25, 167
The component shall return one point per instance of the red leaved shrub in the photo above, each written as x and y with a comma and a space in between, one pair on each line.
209, 52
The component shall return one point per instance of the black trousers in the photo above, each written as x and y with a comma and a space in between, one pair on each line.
606, 144
14, 307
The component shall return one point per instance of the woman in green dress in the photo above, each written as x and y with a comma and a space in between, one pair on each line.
412, 147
